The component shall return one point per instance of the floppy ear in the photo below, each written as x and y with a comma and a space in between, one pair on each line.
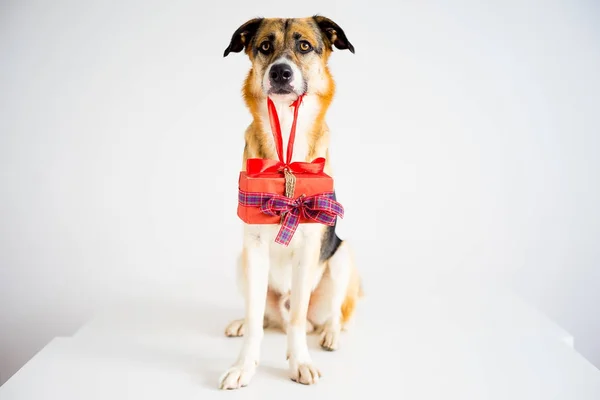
334, 33
243, 36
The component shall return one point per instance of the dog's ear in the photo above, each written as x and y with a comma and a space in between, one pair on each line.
243, 36
333, 33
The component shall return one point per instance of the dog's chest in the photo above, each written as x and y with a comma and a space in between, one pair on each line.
282, 259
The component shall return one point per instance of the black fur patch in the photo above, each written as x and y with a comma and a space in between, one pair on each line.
330, 241
261, 151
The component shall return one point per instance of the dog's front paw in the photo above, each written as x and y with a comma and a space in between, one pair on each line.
237, 376
304, 372
330, 338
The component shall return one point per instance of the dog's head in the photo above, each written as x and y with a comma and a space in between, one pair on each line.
289, 56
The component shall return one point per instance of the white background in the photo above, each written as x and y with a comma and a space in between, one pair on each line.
121, 131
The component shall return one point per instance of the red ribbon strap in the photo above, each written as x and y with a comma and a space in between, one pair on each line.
265, 165
262, 165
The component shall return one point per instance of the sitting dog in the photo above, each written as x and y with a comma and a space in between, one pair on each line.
312, 284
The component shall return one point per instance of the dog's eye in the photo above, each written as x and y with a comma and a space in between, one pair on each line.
304, 46
265, 47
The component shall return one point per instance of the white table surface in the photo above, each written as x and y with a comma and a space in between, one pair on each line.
429, 346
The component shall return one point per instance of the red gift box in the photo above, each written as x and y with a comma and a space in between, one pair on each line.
290, 193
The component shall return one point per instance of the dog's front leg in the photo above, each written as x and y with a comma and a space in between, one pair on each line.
256, 253
300, 363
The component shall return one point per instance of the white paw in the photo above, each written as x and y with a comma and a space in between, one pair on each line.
237, 376
235, 328
304, 373
330, 339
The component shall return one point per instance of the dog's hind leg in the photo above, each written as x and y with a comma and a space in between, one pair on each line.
273, 319
283, 320
334, 300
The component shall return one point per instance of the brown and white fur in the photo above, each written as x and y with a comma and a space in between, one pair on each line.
313, 284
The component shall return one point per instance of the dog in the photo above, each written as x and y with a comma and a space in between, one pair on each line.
312, 285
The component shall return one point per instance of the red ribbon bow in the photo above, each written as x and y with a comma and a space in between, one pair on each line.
263, 165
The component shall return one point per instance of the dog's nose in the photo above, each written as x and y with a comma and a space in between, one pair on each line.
281, 74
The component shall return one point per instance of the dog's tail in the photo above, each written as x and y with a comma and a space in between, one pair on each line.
353, 294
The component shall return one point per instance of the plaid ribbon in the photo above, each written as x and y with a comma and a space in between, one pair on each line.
319, 208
